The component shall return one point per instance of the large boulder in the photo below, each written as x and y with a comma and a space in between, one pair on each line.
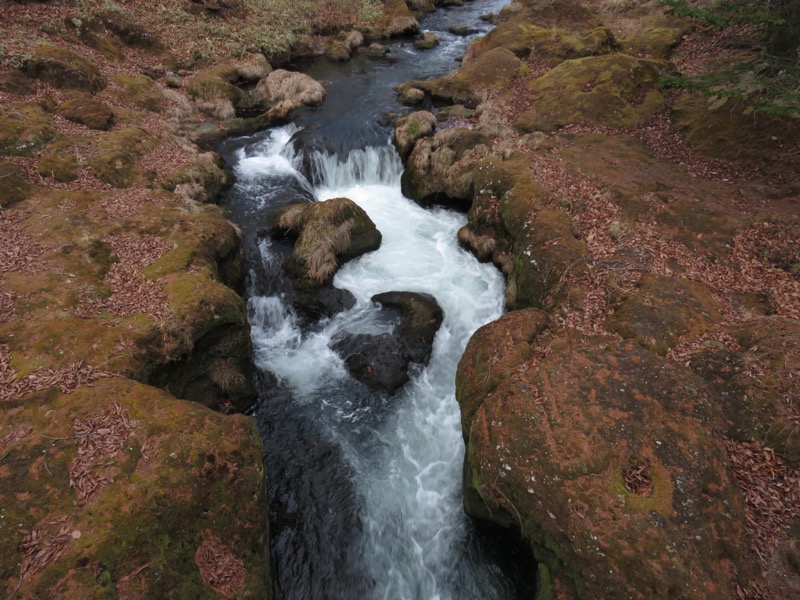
24, 130
120, 489
83, 109
606, 458
13, 185
287, 91
382, 361
411, 128
431, 172
326, 234
64, 68
614, 90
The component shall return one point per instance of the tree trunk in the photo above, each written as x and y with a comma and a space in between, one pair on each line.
784, 39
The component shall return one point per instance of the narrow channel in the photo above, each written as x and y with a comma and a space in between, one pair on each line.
365, 489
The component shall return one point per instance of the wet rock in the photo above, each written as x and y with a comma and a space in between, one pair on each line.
403, 25
338, 51
14, 187
411, 128
376, 50
64, 68
427, 41
462, 30
85, 110
322, 301
382, 361
411, 96
326, 234
606, 458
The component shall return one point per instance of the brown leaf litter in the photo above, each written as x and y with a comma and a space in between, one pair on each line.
99, 438
40, 546
219, 567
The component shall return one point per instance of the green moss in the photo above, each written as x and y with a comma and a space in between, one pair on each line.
614, 90
24, 130
141, 91
215, 84
524, 39
85, 110
64, 68
117, 153
59, 162
13, 185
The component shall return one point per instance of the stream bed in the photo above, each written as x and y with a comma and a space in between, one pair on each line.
365, 490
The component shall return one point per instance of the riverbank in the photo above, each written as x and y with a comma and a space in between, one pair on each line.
121, 320
634, 414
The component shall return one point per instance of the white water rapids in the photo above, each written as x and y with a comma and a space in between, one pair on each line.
413, 541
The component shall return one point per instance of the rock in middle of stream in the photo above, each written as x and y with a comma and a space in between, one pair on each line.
382, 361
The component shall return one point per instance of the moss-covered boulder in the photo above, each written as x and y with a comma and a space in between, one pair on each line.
663, 309
24, 130
116, 156
327, 234
607, 460
118, 488
657, 40
432, 173
64, 68
613, 90
58, 161
215, 84
526, 39
411, 128
140, 91
13, 185
427, 41
338, 51
492, 69
83, 109
16, 83
205, 171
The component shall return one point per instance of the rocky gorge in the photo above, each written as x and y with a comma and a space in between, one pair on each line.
631, 417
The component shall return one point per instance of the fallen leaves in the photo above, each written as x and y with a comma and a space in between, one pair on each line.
219, 568
39, 548
65, 379
99, 439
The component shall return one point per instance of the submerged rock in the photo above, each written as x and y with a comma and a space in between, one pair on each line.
382, 361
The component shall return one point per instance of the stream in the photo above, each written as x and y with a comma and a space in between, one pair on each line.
365, 490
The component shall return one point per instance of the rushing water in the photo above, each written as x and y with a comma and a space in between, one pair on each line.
365, 490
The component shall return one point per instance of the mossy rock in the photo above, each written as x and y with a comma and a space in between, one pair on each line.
206, 170
173, 477
427, 41
84, 109
117, 154
338, 51
24, 130
613, 90
411, 128
215, 84
493, 69
551, 448
15, 83
59, 162
327, 234
662, 310
438, 169
525, 39
14, 187
730, 130
64, 68
656, 41
140, 91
